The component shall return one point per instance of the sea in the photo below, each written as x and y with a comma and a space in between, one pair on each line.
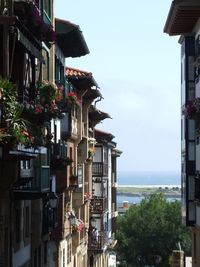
147, 179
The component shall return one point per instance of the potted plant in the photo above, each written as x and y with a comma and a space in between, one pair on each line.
72, 99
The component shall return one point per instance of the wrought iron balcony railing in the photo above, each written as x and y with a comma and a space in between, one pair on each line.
35, 186
100, 169
96, 244
98, 205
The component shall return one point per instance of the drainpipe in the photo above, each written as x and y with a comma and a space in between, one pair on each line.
11, 226
100, 98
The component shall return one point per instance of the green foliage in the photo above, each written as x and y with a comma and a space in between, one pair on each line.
148, 233
14, 129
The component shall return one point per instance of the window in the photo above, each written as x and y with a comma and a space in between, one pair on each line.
68, 253
27, 222
24, 76
63, 257
47, 8
45, 67
45, 252
18, 225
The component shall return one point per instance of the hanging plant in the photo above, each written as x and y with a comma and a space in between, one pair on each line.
24, 124
29, 13
45, 107
14, 129
192, 109
72, 99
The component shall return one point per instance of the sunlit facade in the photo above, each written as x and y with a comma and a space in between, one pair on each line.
184, 20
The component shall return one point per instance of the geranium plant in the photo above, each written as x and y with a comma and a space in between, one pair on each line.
26, 123
87, 196
192, 109
29, 13
91, 152
78, 226
14, 129
45, 107
73, 99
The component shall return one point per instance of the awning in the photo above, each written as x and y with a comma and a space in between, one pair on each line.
182, 17
70, 39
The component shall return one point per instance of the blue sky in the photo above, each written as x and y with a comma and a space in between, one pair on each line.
137, 67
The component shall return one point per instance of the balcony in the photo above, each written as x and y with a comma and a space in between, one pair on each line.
96, 244
59, 159
98, 205
99, 169
59, 150
17, 153
34, 187
49, 219
74, 182
11, 171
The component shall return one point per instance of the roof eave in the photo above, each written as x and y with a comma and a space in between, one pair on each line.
182, 17
71, 34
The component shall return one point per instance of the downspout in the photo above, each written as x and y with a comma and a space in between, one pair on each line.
14, 32
11, 226
99, 99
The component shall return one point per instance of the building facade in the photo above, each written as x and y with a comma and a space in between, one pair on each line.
48, 140
184, 20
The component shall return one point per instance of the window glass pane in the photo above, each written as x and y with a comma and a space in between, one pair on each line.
191, 193
45, 68
191, 129
191, 151
191, 91
98, 155
192, 211
47, 7
191, 68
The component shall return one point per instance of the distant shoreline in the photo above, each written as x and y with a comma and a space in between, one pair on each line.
170, 191
168, 195
149, 185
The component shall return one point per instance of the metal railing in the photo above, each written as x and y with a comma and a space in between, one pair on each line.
98, 205
99, 169
96, 243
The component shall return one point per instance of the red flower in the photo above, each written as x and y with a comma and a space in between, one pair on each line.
25, 133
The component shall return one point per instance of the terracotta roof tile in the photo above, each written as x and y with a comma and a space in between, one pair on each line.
72, 72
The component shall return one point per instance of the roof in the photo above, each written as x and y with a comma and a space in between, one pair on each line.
80, 79
116, 152
96, 116
182, 17
70, 39
101, 134
91, 94
72, 72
